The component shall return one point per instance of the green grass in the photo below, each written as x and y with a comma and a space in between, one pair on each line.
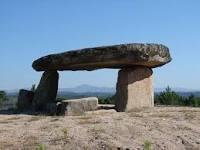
65, 132
147, 145
41, 147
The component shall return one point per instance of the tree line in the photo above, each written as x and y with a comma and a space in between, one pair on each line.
169, 97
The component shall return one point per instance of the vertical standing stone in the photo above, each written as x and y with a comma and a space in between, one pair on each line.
46, 91
25, 99
134, 89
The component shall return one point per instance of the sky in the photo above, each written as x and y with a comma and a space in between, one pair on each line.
31, 29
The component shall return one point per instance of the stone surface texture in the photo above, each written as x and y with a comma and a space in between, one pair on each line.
78, 106
134, 89
53, 108
116, 56
47, 90
25, 99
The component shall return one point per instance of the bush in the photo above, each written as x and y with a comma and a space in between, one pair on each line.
169, 97
3, 96
107, 100
60, 99
193, 101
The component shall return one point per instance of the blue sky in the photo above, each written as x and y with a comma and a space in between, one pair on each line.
31, 29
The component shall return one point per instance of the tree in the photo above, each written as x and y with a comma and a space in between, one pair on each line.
106, 100
193, 101
3, 96
168, 97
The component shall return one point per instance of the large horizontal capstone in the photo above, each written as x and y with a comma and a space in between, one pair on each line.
117, 56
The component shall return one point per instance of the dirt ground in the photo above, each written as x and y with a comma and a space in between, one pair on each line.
159, 128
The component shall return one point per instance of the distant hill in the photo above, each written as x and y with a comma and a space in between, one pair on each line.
70, 95
88, 90
176, 89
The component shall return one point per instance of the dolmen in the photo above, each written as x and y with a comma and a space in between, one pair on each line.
134, 87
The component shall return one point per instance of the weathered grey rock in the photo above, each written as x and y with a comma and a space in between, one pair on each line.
134, 89
53, 108
78, 106
117, 56
46, 91
25, 99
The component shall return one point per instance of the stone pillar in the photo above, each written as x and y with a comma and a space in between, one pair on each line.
25, 99
134, 89
46, 91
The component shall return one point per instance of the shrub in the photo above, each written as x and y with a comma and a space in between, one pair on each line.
41, 147
60, 99
169, 97
3, 96
147, 145
107, 100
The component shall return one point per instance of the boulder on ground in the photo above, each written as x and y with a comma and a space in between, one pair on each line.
53, 108
78, 106
46, 91
117, 56
25, 99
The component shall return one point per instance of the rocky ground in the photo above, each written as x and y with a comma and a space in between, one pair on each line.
165, 128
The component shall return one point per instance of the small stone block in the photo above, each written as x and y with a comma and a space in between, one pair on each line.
78, 106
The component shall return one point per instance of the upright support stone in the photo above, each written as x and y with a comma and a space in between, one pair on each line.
134, 89
25, 99
47, 90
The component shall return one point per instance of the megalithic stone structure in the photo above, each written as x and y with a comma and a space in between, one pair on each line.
134, 86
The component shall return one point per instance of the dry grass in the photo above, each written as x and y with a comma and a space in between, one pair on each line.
189, 116
161, 115
136, 110
36, 118
134, 114
13, 118
9, 120
65, 132
88, 121
30, 143
6, 144
55, 119
5, 121
103, 129
84, 117
98, 130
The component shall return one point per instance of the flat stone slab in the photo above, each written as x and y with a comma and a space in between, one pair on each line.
116, 56
79, 106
